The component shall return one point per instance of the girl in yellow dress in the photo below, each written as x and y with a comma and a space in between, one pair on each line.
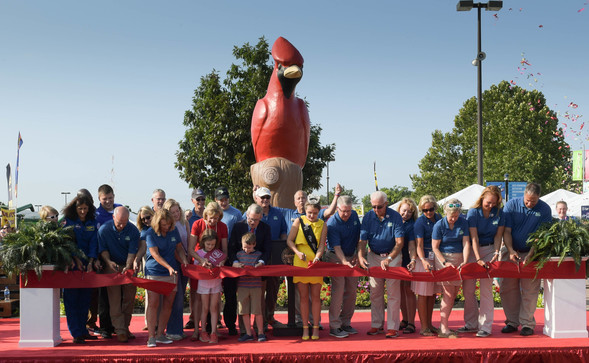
304, 246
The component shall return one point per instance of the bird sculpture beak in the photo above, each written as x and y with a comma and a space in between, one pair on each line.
293, 72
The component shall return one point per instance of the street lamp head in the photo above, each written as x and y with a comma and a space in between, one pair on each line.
475, 62
464, 6
494, 5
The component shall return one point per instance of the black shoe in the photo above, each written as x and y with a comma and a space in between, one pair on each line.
509, 329
89, 337
189, 325
232, 331
105, 335
526, 331
79, 340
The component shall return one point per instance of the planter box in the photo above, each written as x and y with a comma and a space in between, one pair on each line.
39, 317
565, 309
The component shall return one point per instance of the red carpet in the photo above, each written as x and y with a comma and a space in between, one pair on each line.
360, 347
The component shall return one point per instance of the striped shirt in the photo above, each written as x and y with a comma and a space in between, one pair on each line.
249, 259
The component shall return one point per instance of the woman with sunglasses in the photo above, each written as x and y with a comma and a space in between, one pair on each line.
408, 211
48, 214
451, 246
143, 223
486, 224
425, 290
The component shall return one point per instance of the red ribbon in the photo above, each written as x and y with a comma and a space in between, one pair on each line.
80, 279
551, 270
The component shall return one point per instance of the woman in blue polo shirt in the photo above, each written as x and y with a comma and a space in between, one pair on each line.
486, 225
408, 211
163, 245
425, 290
451, 246
80, 213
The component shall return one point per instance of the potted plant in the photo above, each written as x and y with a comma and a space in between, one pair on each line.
560, 239
37, 245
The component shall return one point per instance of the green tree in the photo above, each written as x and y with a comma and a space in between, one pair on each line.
216, 148
349, 192
394, 194
520, 137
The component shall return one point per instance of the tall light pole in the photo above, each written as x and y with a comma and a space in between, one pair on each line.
65, 196
478, 62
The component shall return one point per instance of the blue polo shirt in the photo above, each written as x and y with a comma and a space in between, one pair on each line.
290, 215
166, 247
275, 220
423, 229
451, 239
381, 234
230, 216
524, 221
86, 235
408, 227
486, 227
343, 234
118, 244
195, 217
102, 215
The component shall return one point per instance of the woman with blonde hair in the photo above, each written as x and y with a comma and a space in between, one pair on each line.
164, 252
425, 291
408, 211
174, 329
486, 224
48, 214
451, 246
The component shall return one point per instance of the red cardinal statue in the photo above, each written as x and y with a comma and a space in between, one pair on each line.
280, 123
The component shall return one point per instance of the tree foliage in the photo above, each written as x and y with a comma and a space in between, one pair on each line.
394, 194
216, 148
521, 137
349, 192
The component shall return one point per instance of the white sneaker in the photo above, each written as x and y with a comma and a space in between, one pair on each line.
482, 334
164, 340
151, 343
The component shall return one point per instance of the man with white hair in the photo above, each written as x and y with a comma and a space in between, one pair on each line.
118, 241
382, 229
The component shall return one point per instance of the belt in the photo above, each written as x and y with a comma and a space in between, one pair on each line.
384, 254
488, 244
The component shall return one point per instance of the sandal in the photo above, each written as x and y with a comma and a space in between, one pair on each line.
315, 329
409, 329
451, 334
427, 333
403, 324
194, 337
305, 333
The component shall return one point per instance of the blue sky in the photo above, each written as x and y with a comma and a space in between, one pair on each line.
100, 86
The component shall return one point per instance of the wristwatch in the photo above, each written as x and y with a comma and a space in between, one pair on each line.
389, 258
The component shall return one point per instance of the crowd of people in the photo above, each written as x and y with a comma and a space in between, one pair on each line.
415, 236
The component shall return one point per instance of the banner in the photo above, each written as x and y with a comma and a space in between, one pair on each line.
8, 217
500, 185
578, 165
19, 143
9, 184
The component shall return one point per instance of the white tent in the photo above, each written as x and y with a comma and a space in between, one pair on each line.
467, 196
560, 194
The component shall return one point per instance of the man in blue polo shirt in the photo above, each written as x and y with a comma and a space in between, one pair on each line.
343, 234
118, 241
231, 215
519, 296
198, 200
382, 229
300, 199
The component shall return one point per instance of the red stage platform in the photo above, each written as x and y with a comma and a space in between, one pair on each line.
356, 348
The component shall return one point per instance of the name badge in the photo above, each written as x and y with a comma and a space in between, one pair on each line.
390, 224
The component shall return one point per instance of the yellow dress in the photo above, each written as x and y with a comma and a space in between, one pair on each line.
303, 246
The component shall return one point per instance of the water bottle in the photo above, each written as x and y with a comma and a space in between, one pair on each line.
6, 294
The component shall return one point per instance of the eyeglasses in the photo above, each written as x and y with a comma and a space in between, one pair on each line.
265, 197
378, 206
346, 211
200, 199
52, 217
457, 205
253, 220
428, 210
146, 218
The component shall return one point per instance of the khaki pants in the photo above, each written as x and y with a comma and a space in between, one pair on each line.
519, 297
475, 317
343, 297
121, 299
377, 286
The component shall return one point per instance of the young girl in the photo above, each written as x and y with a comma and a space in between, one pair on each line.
209, 290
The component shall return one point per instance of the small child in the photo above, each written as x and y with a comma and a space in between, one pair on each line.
249, 288
209, 290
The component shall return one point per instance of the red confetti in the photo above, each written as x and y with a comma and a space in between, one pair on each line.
578, 11
540, 26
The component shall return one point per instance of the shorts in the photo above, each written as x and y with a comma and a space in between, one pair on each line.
207, 287
170, 279
249, 300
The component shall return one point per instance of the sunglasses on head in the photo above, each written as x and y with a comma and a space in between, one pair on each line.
428, 210
457, 205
